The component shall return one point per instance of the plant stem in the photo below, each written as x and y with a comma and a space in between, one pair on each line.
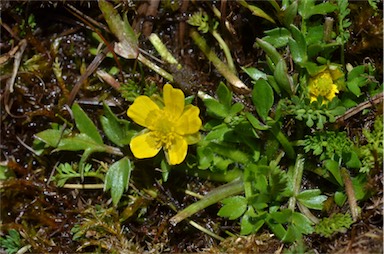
162, 49
297, 176
220, 66
226, 50
83, 186
154, 67
216, 177
350, 193
214, 196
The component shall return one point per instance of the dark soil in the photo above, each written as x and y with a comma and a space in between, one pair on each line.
46, 214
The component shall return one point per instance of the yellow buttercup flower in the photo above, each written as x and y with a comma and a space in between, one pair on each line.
172, 127
323, 84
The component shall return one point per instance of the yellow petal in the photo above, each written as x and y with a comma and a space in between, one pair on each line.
143, 110
177, 151
189, 122
144, 146
173, 101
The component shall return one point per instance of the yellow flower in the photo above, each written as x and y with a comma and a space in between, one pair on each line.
323, 84
172, 127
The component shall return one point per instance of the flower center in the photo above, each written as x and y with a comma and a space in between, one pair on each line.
164, 131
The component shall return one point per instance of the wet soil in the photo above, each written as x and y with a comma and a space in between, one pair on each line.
46, 214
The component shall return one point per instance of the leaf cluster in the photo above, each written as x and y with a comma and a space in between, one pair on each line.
337, 223
371, 153
89, 140
328, 145
11, 242
315, 113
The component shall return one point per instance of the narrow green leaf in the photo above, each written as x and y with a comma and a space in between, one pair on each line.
282, 78
289, 14
117, 178
257, 11
262, 98
297, 45
270, 50
255, 122
333, 167
128, 41
85, 124
254, 73
224, 95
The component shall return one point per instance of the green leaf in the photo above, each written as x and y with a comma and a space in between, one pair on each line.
352, 160
289, 14
117, 130
255, 122
340, 198
254, 73
336, 223
322, 9
224, 95
236, 108
297, 45
354, 85
256, 11
282, 78
51, 137
250, 223
312, 199
312, 68
307, 8
78, 143
276, 228
128, 41
270, 50
262, 98
233, 207
277, 37
302, 223
117, 178
85, 124
333, 167
356, 72
215, 108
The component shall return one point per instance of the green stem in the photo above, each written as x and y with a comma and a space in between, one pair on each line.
304, 210
220, 66
162, 49
216, 177
214, 196
204, 230
155, 68
297, 176
113, 150
279, 135
226, 50
83, 186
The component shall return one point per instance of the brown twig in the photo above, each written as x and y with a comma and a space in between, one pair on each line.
377, 99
